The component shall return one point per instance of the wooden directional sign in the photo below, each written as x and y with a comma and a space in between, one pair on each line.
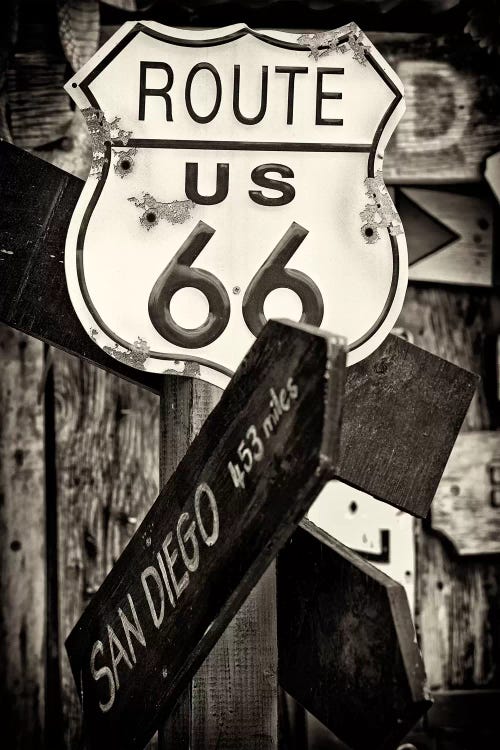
450, 234
347, 645
258, 463
237, 176
404, 405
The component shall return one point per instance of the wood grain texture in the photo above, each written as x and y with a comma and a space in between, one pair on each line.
452, 120
311, 365
235, 702
39, 109
402, 413
107, 477
234, 691
347, 646
466, 509
458, 607
22, 540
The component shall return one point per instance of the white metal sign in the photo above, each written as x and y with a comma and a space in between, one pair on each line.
236, 176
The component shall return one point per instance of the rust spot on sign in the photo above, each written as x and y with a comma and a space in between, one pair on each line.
189, 370
135, 357
101, 133
348, 37
380, 213
175, 212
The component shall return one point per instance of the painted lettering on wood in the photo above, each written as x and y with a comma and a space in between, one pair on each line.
259, 461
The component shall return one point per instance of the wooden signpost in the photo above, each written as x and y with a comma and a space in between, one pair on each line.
259, 461
402, 408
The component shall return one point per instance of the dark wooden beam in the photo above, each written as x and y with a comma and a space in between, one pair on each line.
347, 645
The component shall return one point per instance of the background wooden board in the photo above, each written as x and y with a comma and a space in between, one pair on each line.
450, 234
106, 477
23, 603
458, 607
329, 599
466, 509
452, 120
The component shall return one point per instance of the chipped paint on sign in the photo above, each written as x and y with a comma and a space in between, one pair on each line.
380, 213
135, 357
175, 212
101, 133
348, 37
187, 369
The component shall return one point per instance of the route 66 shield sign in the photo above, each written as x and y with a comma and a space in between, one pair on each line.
236, 176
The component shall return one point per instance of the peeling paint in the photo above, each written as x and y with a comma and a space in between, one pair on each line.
380, 213
175, 212
94, 334
7, 252
101, 132
135, 357
125, 162
348, 37
190, 370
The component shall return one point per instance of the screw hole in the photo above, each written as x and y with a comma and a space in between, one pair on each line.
125, 164
151, 217
353, 507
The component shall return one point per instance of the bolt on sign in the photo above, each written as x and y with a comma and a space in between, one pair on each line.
236, 176
211, 533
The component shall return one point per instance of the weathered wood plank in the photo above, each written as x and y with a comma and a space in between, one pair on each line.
39, 110
22, 540
295, 448
457, 602
107, 477
405, 410
452, 119
235, 688
466, 509
347, 649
